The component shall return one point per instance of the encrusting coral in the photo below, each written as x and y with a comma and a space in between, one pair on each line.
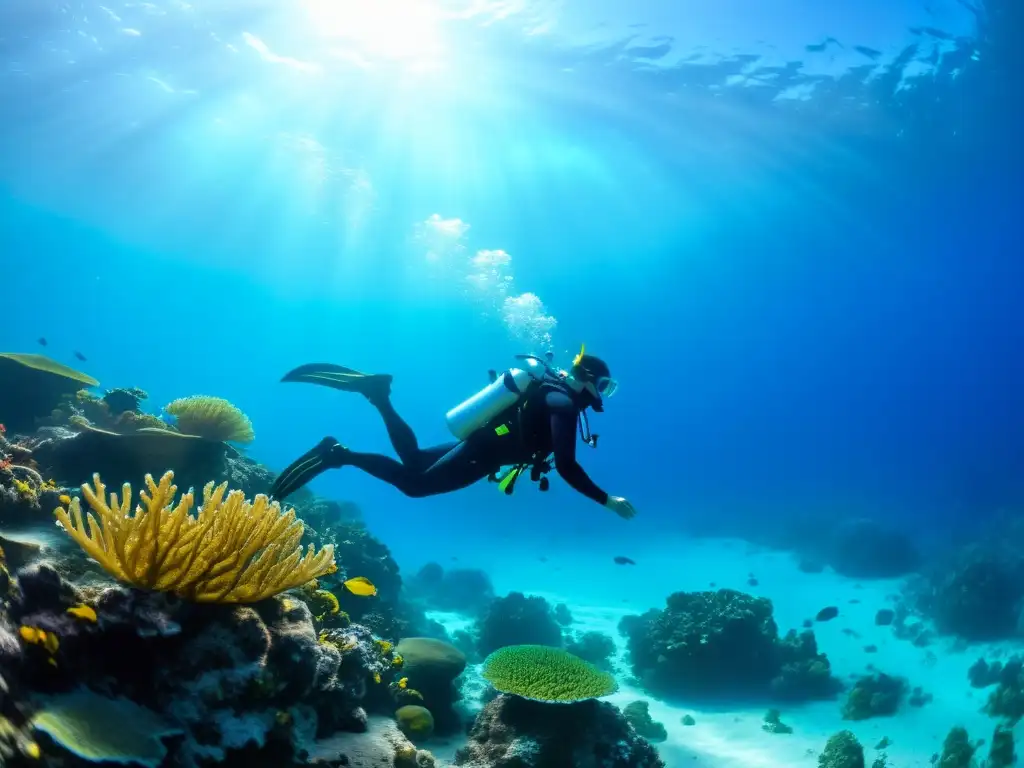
233, 551
211, 417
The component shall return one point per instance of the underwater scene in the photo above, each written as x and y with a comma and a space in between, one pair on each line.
511, 384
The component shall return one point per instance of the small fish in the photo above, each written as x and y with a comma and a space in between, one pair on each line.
403, 683
623, 560
64, 499
361, 586
83, 611
827, 614
80, 356
752, 582
38, 636
42, 341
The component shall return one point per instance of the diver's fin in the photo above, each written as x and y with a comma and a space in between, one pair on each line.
328, 454
372, 385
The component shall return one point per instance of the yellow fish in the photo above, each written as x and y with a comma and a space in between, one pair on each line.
403, 683
83, 611
65, 499
37, 636
361, 586
376, 677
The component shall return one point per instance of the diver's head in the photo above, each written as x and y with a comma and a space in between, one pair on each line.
592, 374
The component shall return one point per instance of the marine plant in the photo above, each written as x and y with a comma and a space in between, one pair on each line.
211, 417
232, 551
542, 673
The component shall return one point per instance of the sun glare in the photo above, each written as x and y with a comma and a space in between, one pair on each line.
396, 29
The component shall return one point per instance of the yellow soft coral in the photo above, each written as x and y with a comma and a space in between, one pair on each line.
233, 551
211, 417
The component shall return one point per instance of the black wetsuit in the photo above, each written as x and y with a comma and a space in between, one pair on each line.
547, 426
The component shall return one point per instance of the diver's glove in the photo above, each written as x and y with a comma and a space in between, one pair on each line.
621, 507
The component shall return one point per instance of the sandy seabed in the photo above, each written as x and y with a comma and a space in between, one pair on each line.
599, 593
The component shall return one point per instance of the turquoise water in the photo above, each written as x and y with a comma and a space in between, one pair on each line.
792, 232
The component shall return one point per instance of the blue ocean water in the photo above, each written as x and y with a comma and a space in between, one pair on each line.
792, 231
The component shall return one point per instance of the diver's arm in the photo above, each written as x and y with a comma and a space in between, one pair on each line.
563, 444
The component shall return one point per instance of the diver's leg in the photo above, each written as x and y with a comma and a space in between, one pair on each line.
459, 467
327, 454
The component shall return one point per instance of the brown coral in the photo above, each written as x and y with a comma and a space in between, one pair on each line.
233, 551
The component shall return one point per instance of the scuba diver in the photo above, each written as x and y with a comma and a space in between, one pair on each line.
527, 418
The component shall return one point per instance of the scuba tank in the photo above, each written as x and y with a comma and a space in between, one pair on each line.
502, 393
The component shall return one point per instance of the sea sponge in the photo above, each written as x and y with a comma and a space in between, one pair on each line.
542, 673
100, 729
211, 417
233, 551
415, 721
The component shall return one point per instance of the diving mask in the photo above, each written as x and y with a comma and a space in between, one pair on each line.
606, 386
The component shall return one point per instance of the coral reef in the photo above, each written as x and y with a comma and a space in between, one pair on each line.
31, 386
517, 619
957, 750
1001, 754
976, 593
594, 647
1007, 700
118, 410
710, 643
866, 549
773, 723
638, 715
234, 681
842, 751
460, 590
874, 696
233, 551
511, 732
211, 417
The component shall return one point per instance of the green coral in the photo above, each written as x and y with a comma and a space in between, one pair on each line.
415, 721
842, 751
542, 673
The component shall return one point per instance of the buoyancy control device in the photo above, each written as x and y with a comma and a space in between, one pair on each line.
504, 391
